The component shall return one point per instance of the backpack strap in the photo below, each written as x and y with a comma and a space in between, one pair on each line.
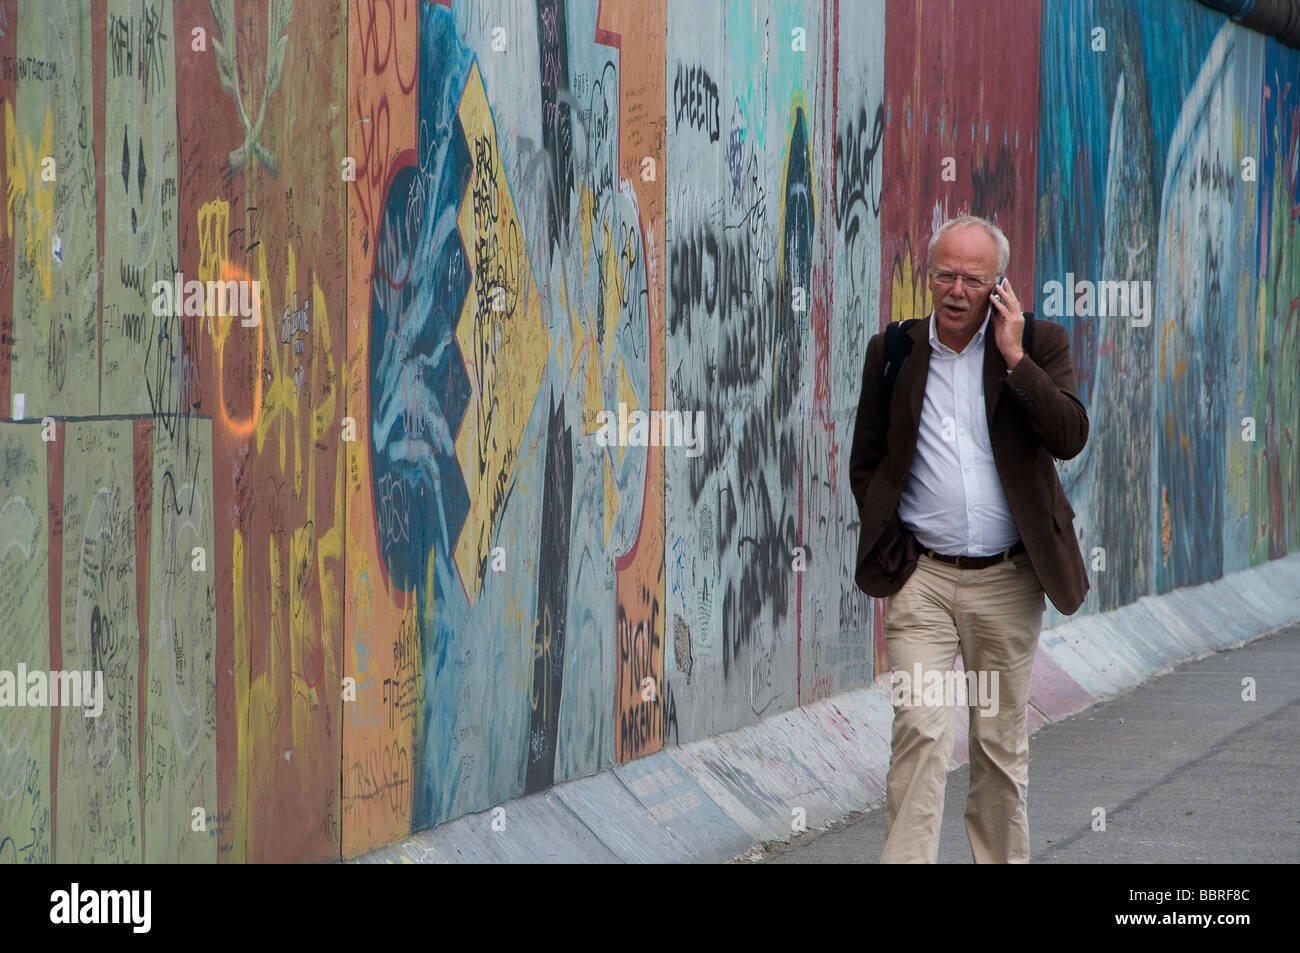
898, 344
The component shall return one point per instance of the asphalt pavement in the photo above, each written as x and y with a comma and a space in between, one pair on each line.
1185, 769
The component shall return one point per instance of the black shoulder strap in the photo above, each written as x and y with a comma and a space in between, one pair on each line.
898, 344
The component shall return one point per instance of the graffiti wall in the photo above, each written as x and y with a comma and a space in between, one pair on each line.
1177, 189
409, 405
773, 241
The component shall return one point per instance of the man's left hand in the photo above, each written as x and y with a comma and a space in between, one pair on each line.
1008, 323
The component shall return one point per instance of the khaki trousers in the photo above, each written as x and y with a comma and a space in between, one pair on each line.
994, 616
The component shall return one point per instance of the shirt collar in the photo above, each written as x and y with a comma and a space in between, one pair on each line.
978, 339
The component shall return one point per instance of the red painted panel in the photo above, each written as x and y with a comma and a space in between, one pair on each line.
961, 83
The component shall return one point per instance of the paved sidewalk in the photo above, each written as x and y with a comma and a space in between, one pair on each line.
1186, 771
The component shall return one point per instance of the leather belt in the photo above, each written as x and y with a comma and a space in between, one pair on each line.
976, 562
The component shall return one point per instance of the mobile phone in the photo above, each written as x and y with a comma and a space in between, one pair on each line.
996, 285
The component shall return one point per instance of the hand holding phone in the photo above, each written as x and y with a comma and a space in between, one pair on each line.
1009, 322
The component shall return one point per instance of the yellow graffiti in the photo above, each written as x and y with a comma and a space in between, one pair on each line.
24, 179
214, 252
299, 568
281, 405
502, 337
910, 295
542, 647
584, 338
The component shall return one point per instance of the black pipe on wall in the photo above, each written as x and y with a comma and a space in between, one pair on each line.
1277, 18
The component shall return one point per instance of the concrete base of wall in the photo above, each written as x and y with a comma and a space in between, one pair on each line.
712, 800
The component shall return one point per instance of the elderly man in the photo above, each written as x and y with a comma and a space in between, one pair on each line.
966, 528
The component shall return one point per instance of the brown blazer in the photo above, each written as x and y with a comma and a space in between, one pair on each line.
1034, 414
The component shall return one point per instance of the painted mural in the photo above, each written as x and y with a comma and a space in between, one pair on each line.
316, 321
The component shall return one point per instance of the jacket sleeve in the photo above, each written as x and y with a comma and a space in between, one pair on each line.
1048, 393
869, 428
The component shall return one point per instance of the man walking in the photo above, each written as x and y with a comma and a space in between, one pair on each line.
965, 527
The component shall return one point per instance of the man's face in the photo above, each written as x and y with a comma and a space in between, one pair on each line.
966, 251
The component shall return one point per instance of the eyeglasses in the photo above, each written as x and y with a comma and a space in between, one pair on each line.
945, 279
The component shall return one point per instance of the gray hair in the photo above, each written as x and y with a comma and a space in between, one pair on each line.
999, 239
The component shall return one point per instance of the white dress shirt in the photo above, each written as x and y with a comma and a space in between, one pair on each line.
952, 499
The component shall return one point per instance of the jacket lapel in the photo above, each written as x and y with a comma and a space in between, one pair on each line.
995, 370
917, 370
